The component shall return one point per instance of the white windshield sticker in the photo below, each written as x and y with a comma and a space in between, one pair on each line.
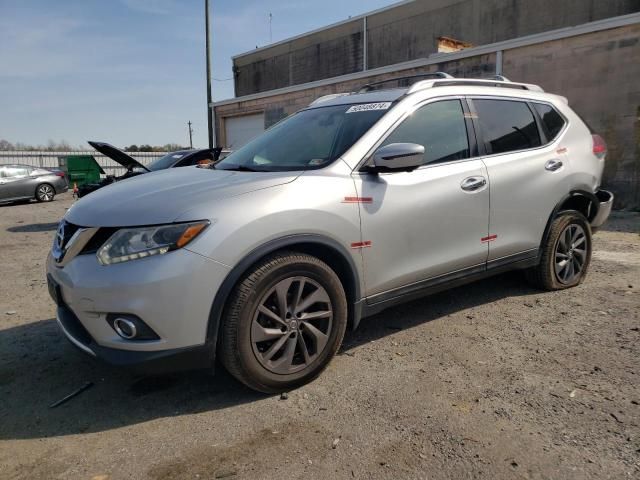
367, 107
177, 156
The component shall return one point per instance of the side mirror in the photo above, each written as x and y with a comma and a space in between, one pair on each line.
398, 157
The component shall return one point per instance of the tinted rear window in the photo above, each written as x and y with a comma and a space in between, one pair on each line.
507, 125
551, 119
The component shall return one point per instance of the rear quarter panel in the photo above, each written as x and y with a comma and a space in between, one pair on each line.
586, 169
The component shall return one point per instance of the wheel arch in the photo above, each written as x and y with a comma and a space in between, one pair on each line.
326, 249
577, 200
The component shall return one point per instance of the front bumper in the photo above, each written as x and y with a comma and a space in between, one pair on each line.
161, 361
173, 294
606, 203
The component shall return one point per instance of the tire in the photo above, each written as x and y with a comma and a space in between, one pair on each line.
568, 232
266, 351
45, 192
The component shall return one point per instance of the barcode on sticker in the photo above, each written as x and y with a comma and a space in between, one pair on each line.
367, 107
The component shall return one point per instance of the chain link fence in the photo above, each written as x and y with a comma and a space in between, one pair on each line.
50, 159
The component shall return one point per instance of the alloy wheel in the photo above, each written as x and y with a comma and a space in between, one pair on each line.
292, 325
45, 193
570, 254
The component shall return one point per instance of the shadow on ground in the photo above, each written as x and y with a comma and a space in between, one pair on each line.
620, 221
38, 367
34, 227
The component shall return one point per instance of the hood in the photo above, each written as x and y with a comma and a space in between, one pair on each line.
117, 155
162, 196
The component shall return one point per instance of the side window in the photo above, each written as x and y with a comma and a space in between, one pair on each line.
552, 121
440, 127
16, 172
507, 125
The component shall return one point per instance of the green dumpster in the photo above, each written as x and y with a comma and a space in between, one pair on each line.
80, 169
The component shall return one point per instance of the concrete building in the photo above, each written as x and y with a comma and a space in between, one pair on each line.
586, 50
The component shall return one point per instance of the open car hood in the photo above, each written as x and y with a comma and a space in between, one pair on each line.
118, 155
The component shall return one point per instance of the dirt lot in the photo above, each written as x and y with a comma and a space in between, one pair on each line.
490, 380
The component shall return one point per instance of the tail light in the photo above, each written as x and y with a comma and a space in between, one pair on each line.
59, 174
599, 146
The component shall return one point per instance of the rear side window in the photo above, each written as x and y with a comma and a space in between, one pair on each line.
507, 125
439, 127
552, 122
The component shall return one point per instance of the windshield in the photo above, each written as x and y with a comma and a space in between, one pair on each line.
166, 162
307, 140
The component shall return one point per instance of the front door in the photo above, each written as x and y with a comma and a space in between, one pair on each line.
15, 182
422, 225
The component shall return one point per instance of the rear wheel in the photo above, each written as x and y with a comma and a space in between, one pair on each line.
565, 255
45, 192
284, 322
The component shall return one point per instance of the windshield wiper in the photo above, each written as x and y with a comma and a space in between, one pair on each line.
241, 168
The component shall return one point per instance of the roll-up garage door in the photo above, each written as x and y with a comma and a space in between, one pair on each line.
242, 129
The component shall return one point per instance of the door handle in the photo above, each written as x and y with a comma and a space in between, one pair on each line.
553, 165
473, 184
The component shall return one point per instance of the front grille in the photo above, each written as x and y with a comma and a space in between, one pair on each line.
69, 230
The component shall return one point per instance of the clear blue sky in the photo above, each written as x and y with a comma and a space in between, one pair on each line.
132, 71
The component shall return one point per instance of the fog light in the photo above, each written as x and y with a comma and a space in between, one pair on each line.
131, 327
125, 328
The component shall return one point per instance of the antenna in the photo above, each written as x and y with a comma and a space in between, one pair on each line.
270, 29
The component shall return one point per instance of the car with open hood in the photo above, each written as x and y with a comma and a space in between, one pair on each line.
180, 158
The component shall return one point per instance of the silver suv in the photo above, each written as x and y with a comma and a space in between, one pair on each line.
352, 205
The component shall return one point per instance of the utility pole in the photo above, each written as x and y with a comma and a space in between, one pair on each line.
270, 29
190, 134
208, 48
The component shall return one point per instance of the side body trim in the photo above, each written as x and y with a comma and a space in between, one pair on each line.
384, 300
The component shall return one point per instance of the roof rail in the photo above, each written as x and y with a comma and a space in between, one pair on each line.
477, 82
501, 78
326, 98
369, 86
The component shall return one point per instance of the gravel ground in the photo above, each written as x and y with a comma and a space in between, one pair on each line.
490, 380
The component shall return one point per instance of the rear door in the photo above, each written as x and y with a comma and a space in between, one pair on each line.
421, 226
527, 175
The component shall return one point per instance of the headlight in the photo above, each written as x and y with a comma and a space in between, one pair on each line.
133, 243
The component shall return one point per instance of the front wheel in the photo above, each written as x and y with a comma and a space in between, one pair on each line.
566, 254
284, 322
45, 192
